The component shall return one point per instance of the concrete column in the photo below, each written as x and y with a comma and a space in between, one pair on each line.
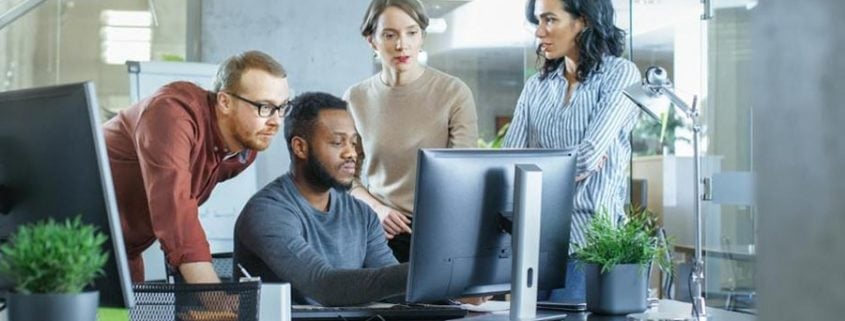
799, 155
317, 41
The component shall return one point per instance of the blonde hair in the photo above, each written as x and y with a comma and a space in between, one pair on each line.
229, 74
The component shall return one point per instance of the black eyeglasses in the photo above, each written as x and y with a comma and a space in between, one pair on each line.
266, 109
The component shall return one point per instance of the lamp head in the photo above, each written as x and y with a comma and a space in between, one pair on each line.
655, 95
657, 76
650, 94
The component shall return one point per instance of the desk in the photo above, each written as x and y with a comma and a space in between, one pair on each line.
669, 306
664, 306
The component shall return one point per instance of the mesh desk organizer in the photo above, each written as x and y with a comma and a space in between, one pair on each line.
196, 302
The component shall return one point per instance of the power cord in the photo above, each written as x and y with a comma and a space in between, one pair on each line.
692, 299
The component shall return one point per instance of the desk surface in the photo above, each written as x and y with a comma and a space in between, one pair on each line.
675, 308
665, 306
668, 306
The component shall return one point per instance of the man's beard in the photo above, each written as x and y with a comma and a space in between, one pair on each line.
316, 173
250, 140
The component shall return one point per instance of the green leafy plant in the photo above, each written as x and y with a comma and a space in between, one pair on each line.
51, 257
498, 140
634, 240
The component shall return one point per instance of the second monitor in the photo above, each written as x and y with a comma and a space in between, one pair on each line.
459, 246
54, 164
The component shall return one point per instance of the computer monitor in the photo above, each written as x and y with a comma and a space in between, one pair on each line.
458, 245
53, 163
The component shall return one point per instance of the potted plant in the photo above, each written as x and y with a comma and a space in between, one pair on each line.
617, 257
50, 264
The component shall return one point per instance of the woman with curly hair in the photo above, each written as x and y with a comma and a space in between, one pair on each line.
575, 102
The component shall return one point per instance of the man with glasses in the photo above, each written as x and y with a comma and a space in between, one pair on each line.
168, 151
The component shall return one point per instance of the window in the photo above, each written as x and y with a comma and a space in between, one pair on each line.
125, 35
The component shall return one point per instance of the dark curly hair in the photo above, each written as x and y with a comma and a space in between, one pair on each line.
305, 109
600, 37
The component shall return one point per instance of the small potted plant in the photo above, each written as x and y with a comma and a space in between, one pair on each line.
50, 264
617, 257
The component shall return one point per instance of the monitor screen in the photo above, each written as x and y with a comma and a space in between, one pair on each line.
53, 163
458, 247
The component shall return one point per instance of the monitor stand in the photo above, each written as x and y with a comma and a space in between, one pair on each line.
527, 200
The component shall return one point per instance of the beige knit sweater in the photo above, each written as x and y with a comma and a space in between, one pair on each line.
435, 111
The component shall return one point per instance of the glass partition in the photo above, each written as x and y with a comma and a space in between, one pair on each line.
62, 41
707, 59
484, 43
729, 126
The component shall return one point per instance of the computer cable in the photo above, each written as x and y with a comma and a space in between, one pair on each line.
689, 285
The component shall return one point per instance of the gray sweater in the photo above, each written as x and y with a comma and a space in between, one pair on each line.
333, 258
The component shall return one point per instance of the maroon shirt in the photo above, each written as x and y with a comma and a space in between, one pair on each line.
166, 156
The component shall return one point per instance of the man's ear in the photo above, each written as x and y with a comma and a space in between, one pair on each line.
299, 147
224, 103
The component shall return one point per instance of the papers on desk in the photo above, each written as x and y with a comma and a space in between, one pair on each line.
489, 306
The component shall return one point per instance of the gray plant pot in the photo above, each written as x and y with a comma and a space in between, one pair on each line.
621, 290
53, 307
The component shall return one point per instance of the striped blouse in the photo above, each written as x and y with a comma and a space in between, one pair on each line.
595, 124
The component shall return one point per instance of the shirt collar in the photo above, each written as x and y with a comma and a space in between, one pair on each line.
558, 73
218, 145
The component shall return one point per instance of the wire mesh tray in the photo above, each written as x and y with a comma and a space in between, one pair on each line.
196, 302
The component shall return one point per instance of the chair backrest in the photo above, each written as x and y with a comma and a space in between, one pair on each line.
222, 264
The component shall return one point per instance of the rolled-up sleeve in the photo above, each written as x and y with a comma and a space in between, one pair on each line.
613, 112
164, 154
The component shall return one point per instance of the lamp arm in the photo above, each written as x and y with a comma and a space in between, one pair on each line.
677, 101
